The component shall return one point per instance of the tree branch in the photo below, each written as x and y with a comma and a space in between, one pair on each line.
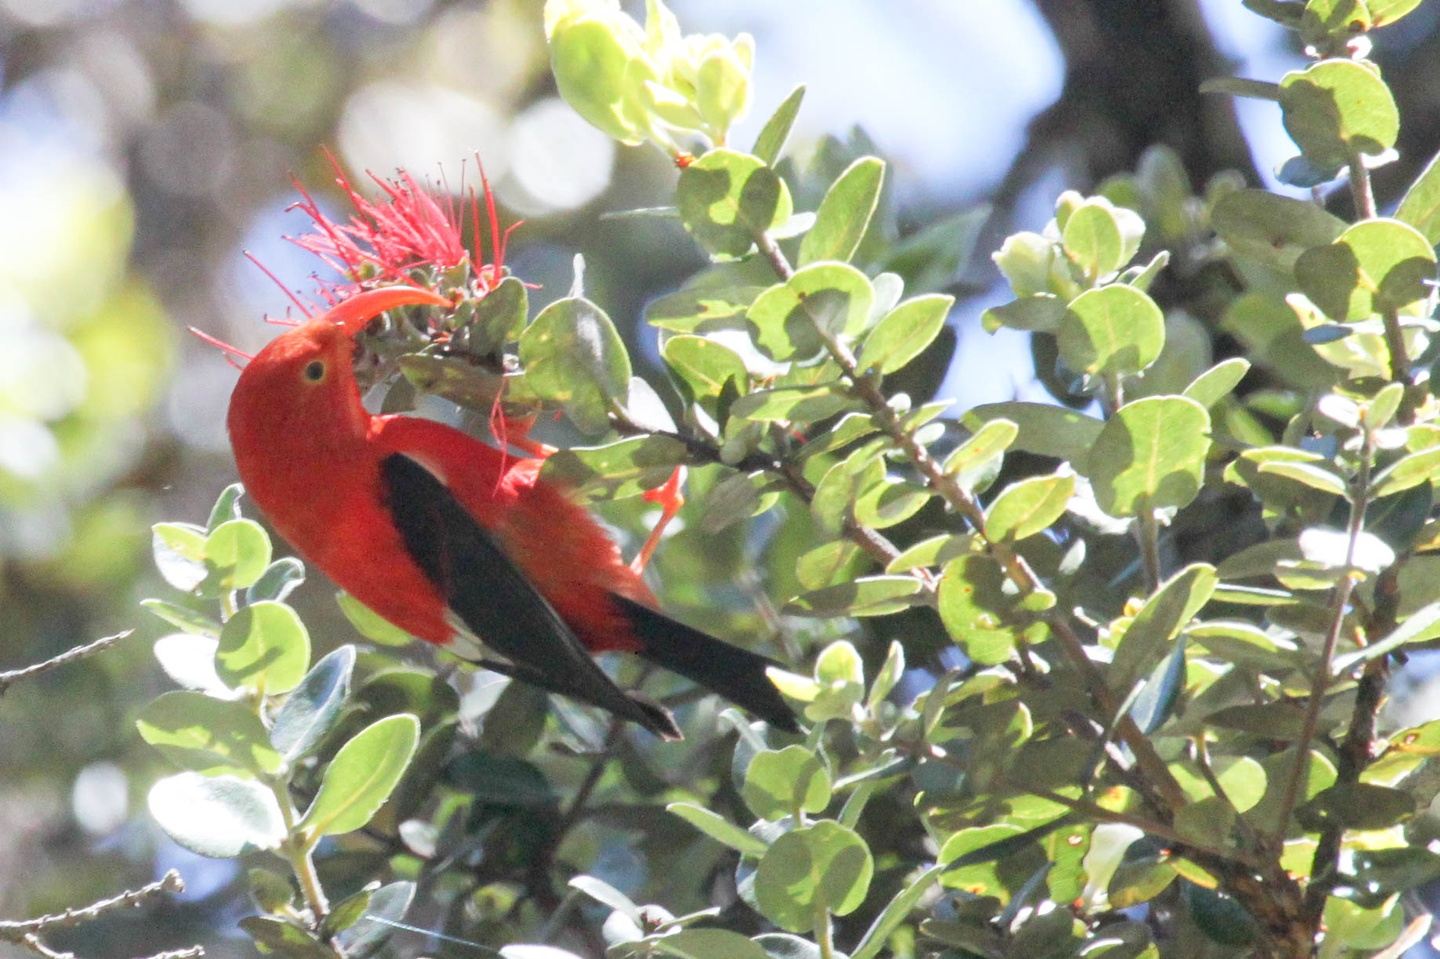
64, 659
26, 932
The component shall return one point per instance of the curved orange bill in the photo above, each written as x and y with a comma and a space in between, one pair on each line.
354, 314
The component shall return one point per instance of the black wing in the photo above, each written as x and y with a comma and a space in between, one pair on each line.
492, 597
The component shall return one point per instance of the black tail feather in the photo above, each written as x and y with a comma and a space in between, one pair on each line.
735, 673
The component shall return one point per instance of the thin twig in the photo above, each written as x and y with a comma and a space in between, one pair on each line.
1339, 604
26, 932
64, 659
298, 850
13, 930
1147, 531
1360, 189
1362, 192
1202, 759
1355, 752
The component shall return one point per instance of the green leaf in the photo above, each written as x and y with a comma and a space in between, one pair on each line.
839, 683
1278, 720
1218, 382
780, 783
1357, 806
361, 776
179, 550
970, 856
1045, 429
453, 378
263, 646
1313, 475
896, 911
707, 367
1374, 266
1115, 330
1272, 230
313, 708
935, 551
727, 199
628, 467
1335, 110
278, 581
1094, 239
824, 866
498, 319
702, 308
1028, 506
933, 258
388, 905
602, 72
237, 554
1039, 313
980, 614
606, 894
1338, 20
226, 508
219, 817
777, 129
574, 356
1420, 207
975, 462
189, 660
905, 332
866, 596
209, 735
182, 617
370, 624
269, 890
794, 404
1408, 471
1241, 87
718, 828
790, 321
1150, 455
1178, 600
888, 677
844, 213
890, 502
709, 944
1385, 12
345, 913
1421, 625
827, 564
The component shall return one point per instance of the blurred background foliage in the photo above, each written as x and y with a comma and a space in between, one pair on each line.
145, 146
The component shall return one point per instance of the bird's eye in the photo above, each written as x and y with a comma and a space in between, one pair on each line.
315, 371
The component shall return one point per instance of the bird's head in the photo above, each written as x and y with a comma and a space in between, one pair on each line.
302, 384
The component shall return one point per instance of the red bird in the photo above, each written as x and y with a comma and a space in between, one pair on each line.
452, 540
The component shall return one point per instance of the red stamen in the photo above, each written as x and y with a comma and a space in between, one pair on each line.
228, 351
299, 304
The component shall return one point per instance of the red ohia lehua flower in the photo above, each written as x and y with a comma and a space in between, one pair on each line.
408, 233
